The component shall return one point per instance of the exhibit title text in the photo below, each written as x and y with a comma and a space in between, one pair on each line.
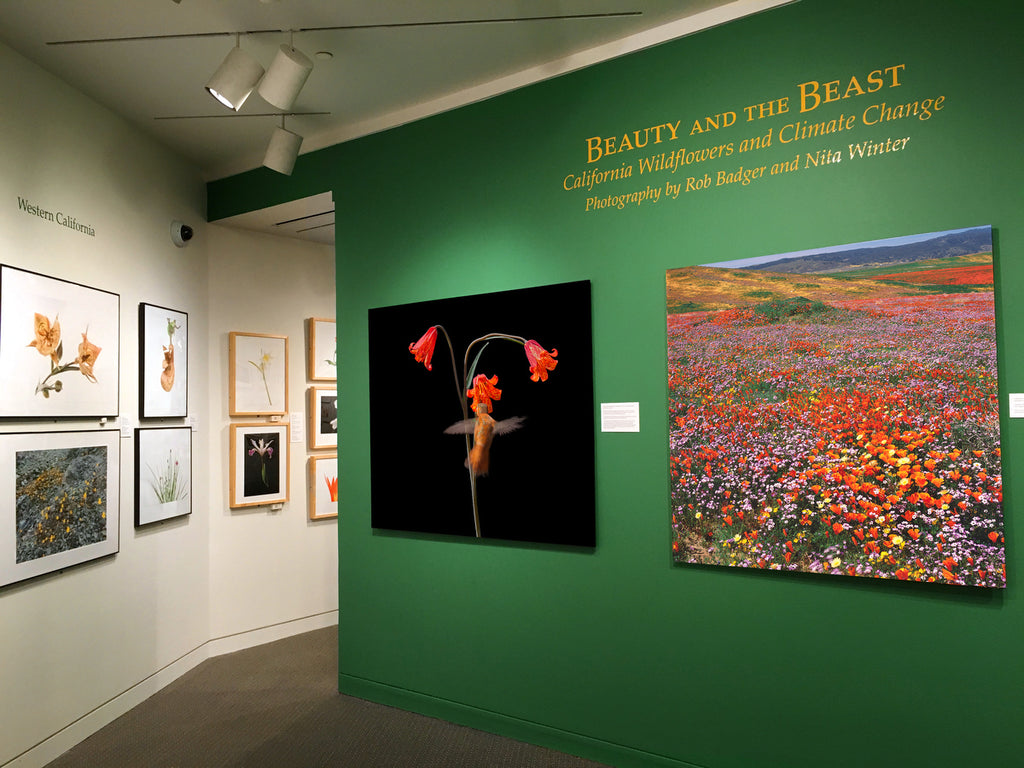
65, 220
809, 95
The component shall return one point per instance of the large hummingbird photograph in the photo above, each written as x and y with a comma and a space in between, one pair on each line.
482, 416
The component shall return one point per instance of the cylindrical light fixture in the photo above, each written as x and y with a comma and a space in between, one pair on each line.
285, 78
234, 80
283, 150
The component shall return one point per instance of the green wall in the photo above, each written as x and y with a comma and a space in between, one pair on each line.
615, 653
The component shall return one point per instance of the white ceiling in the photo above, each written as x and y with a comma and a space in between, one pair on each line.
392, 61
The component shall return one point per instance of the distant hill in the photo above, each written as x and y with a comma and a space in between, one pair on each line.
944, 246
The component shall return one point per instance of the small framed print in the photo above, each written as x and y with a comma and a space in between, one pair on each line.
323, 487
59, 345
60, 494
322, 350
323, 417
163, 362
259, 464
257, 374
163, 474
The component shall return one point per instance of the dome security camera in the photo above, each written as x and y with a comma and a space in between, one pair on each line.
181, 233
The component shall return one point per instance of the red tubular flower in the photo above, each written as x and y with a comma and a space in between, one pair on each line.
483, 392
423, 349
541, 361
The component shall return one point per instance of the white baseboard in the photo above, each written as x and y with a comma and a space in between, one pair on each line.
60, 742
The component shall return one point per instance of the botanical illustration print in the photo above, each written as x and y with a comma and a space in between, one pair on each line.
483, 392
329, 415
167, 372
265, 359
60, 500
47, 342
836, 411
261, 464
331, 479
168, 482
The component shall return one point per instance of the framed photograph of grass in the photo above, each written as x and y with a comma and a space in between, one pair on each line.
836, 411
259, 464
323, 417
59, 345
163, 362
59, 495
322, 350
257, 374
323, 487
163, 474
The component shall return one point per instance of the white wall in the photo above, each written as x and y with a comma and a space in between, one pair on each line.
81, 646
266, 567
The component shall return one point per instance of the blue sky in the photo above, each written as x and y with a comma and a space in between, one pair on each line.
740, 263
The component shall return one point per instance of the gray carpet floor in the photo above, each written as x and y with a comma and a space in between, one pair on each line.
277, 705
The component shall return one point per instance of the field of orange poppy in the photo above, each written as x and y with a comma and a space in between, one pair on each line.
854, 434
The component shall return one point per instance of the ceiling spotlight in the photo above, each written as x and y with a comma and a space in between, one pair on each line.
286, 76
232, 83
283, 150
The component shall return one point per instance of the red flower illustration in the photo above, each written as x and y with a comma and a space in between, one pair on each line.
483, 392
423, 349
541, 361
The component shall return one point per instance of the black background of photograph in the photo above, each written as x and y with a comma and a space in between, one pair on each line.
252, 484
540, 487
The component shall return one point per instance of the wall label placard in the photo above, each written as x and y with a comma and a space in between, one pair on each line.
644, 156
58, 217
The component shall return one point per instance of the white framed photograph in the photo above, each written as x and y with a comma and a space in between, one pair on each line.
59, 500
163, 474
59, 347
163, 362
257, 374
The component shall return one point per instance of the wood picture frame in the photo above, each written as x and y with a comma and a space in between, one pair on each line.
323, 486
60, 507
59, 347
257, 374
322, 349
163, 362
163, 474
323, 417
259, 464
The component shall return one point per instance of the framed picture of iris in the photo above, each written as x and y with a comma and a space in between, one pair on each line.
836, 411
163, 474
482, 416
323, 417
257, 374
60, 494
59, 346
323, 487
259, 464
163, 362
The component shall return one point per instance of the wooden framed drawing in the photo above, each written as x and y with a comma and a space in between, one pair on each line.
323, 487
59, 493
59, 347
323, 417
163, 362
322, 350
163, 474
259, 464
257, 374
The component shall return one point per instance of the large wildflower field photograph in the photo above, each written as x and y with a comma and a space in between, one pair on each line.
836, 411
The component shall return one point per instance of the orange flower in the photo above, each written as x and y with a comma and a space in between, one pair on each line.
332, 487
483, 392
541, 361
87, 354
47, 338
902, 574
993, 536
423, 349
